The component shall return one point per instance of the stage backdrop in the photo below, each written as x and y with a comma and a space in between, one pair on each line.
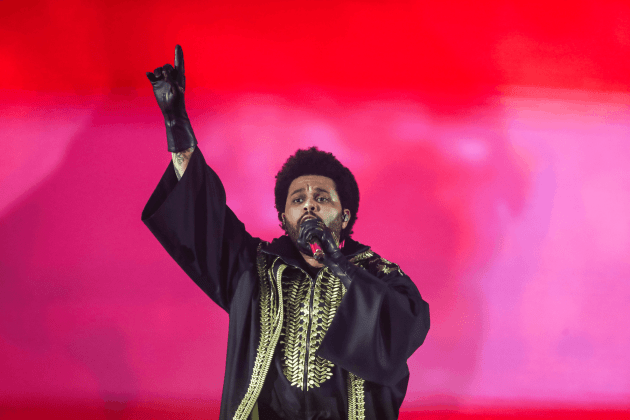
490, 141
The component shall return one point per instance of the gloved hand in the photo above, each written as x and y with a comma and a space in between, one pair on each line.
315, 230
168, 86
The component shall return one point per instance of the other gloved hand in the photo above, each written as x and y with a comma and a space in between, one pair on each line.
315, 230
312, 230
168, 86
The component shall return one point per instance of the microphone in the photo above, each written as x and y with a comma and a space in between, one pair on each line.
316, 249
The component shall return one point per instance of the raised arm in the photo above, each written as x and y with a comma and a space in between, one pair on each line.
188, 214
169, 86
180, 161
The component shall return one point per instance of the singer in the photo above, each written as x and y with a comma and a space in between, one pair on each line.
320, 326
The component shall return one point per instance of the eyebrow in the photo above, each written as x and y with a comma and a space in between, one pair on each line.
316, 189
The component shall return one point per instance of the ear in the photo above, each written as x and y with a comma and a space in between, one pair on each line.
346, 218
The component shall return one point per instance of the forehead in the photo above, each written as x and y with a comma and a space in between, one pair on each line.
311, 182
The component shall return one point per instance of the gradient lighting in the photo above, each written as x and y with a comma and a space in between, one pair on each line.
490, 144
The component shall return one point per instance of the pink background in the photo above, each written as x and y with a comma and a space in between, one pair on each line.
490, 142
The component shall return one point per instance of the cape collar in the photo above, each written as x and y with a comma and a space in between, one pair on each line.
284, 248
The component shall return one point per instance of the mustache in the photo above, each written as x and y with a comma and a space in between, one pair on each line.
309, 214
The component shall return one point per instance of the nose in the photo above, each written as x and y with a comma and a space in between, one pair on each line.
310, 204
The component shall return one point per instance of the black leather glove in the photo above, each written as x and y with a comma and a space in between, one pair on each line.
168, 86
314, 230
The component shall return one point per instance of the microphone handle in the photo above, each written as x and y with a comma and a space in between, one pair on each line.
316, 248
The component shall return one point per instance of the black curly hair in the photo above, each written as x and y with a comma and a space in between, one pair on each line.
316, 162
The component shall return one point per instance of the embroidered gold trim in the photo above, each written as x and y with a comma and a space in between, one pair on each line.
388, 266
356, 397
271, 315
362, 256
296, 290
327, 294
376, 264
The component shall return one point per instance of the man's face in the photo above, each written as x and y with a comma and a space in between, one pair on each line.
313, 196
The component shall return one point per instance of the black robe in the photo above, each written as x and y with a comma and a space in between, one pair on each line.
378, 324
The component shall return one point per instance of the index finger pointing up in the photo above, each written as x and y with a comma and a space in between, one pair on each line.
179, 65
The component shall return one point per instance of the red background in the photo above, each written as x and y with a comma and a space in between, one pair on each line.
489, 140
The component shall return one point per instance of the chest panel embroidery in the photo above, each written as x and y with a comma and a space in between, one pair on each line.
309, 310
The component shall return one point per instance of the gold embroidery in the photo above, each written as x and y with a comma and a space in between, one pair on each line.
327, 295
376, 264
296, 295
271, 315
362, 256
389, 267
326, 299
385, 269
356, 397
305, 326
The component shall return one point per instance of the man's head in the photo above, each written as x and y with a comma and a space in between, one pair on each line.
315, 183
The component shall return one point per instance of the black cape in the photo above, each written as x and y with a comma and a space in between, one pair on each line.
379, 323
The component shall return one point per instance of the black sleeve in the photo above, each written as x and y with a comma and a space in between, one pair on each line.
191, 220
381, 321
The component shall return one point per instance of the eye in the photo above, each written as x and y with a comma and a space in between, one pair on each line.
297, 200
322, 199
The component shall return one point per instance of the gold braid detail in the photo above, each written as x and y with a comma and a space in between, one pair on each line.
376, 264
356, 397
298, 335
361, 256
326, 300
271, 314
296, 302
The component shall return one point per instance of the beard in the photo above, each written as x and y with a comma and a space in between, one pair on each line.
293, 231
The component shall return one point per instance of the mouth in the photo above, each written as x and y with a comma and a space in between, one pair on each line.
308, 217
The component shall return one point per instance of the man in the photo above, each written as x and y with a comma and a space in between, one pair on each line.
320, 327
